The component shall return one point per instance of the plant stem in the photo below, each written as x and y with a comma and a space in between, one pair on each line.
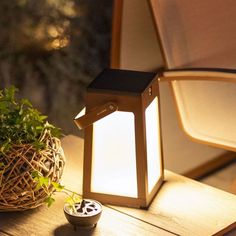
68, 190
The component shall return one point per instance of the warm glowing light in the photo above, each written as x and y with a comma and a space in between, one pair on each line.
183, 199
114, 155
53, 31
69, 9
59, 43
66, 7
153, 144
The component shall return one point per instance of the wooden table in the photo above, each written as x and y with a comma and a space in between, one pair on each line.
182, 207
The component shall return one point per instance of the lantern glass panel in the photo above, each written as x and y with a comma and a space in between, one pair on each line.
114, 155
153, 144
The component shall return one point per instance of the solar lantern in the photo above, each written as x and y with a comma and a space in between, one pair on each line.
123, 162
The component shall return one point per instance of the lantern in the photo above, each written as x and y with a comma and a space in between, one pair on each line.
122, 147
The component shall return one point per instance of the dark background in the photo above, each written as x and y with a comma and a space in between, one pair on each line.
51, 50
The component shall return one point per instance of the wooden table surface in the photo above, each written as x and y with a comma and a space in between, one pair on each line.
182, 207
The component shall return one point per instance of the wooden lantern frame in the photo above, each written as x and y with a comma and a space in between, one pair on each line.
135, 101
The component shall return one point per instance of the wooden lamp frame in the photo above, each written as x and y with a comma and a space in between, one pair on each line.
135, 102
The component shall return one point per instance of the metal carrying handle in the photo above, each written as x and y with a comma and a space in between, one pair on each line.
95, 114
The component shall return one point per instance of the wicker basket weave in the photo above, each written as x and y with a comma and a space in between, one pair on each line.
17, 188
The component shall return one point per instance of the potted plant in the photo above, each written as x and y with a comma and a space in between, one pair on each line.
78, 211
28, 143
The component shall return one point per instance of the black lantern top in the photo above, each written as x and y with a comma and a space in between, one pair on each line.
113, 80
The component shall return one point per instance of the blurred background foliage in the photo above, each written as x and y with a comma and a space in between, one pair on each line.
51, 49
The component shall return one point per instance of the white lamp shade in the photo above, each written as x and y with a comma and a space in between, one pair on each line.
114, 155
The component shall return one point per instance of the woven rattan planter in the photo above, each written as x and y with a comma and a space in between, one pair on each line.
18, 190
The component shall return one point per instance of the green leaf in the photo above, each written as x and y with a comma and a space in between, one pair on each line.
58, 187
38, 186
40, 179
42, 118
49, 201
3, 106
26, 102
38, 145
69, 200
5, 146
36, 174
77, 198
73, 198
10, 93
20, 123
44, 181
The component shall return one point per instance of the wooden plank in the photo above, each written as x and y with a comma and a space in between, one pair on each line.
224, 179
45, 221
2, 233
182, 206
51, 221
211, 166
188, 207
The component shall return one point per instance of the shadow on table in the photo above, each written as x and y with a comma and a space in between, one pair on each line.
68, 230
12, 218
